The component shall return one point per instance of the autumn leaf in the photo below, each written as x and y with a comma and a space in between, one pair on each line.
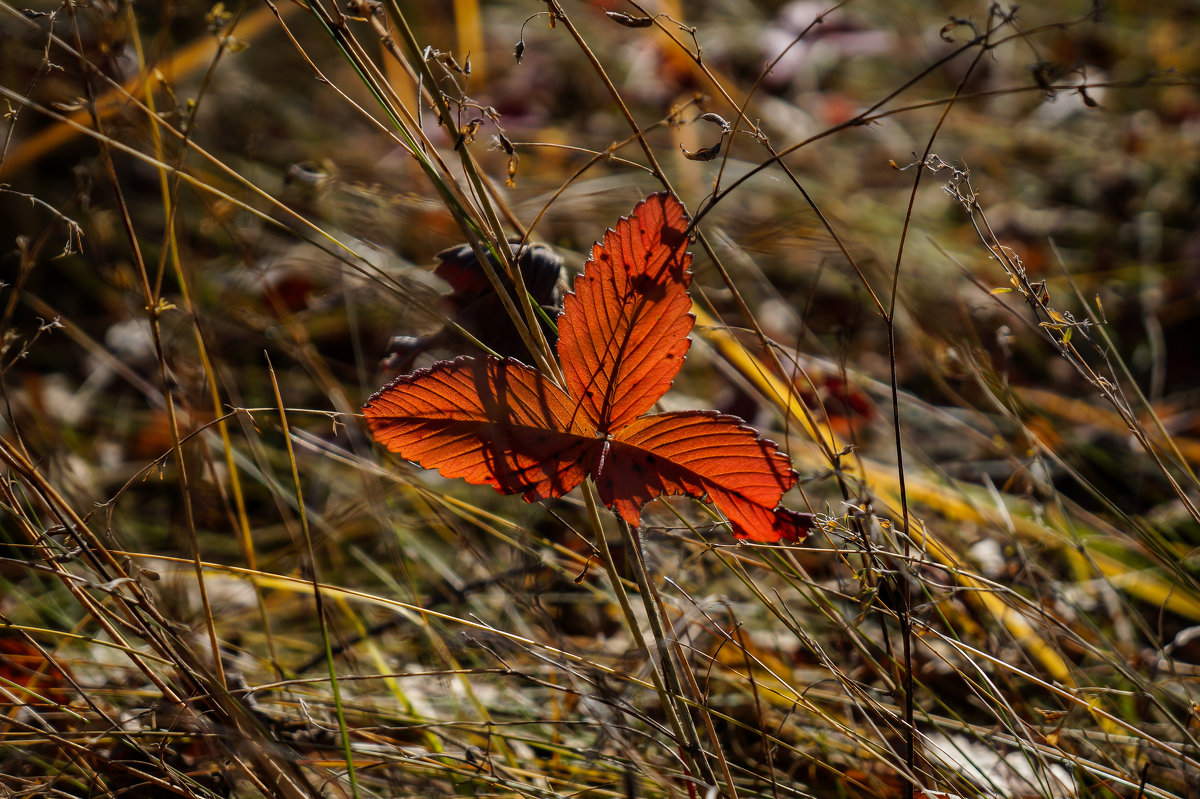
623, 337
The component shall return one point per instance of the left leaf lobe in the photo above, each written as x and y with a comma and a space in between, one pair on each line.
488, 421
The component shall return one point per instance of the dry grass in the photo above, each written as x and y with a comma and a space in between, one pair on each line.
953, 270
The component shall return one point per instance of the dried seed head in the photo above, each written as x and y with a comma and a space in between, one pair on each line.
628, 21
466, 134
716, 119
703, 154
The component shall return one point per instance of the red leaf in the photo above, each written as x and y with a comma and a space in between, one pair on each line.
21, 664
488, 421
623, 338
623, 331
699, 454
